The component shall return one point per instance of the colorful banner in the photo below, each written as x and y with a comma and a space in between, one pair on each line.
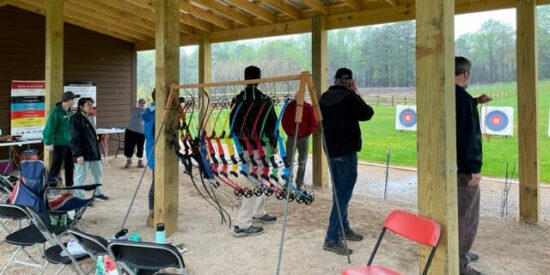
405, 117
497, 120
27, 108
83, 89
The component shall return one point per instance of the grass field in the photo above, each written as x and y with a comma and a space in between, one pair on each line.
379, 134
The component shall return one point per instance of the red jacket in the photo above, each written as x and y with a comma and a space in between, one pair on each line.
308, 124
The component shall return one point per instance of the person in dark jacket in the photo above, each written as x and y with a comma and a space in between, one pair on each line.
85, 146
252, 209
342, 109
56, 137
469, 161
134, 137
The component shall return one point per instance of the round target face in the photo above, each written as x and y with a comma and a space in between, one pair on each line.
407, 117
496, 120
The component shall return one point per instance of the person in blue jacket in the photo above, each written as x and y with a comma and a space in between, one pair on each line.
148, 118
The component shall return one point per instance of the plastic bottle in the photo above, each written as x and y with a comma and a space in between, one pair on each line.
159, 236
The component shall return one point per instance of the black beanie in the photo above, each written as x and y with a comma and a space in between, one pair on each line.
343, 73
252, 72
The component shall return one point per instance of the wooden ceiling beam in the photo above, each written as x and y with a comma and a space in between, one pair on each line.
206, 15
392, 3
35, 8
225, 11
188, 24
317, 5
285, 8
354, 4
196, 23
253, 9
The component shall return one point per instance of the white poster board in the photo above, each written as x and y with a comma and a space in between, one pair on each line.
497, 120
405, 117
83, 89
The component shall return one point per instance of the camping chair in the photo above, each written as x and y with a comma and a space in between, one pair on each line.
6, 186
22, 238
53, 254
148, 258
94, 245
410, 226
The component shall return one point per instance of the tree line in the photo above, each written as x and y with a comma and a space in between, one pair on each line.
380, 56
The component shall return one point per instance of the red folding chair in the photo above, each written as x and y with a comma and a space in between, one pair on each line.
410, 226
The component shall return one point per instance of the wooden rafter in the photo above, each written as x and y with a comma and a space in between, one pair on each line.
253, 9
33, 7
196, 23
392, 3
355, 4
205, 15
317, 5
226, 11
285, 8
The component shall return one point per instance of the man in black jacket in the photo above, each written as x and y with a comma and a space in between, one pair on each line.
252, 209
469, 161
85, 146
342, 109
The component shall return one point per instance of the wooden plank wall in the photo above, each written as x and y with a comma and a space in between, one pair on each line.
107, 61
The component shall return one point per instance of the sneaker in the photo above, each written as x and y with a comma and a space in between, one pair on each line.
140, 164
128, 163
473, 256
101, 197
150, 220
300, 187
251, 231
337, 247
471, 271
352, 236
265, 219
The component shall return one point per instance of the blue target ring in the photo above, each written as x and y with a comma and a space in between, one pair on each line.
407, 117
496, 120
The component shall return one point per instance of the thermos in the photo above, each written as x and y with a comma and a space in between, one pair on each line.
159, 236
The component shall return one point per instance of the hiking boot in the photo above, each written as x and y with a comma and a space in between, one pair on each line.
337, 247
473, 256
471, 271
101, 197
251, 231
352, 236
140, 164
128, 163
265, 219
150, 220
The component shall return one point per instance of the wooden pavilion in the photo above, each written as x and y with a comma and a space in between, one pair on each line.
165, 25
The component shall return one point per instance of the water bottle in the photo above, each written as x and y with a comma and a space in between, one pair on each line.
159, 236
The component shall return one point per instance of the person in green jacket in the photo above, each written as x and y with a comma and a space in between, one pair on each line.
56, 137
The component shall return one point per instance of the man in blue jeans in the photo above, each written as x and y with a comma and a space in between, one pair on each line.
342, 109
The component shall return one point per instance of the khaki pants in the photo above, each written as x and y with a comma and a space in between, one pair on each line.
468, 217
253, 206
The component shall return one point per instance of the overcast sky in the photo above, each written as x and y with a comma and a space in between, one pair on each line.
468, 23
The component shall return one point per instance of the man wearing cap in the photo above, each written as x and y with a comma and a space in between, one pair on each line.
342, 109
85, 146
56, 137
134, 137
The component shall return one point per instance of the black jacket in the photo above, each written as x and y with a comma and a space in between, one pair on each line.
468, 133
84, 140
342, 110
252, 99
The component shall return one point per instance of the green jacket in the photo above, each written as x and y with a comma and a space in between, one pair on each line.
56, 131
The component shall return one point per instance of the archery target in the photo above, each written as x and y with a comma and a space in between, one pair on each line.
497, 120
405, 117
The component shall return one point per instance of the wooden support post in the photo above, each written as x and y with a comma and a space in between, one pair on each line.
528, 139
205, 73
435, 89
54, 58
167, 72
319, 66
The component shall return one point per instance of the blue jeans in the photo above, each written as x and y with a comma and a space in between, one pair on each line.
344, 174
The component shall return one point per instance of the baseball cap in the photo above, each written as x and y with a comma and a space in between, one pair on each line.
343, 73
68, 96
142, 100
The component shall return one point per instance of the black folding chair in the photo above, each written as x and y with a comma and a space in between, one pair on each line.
148, 258
53, 236
22, 238
6, 186
94, 245
62, 200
